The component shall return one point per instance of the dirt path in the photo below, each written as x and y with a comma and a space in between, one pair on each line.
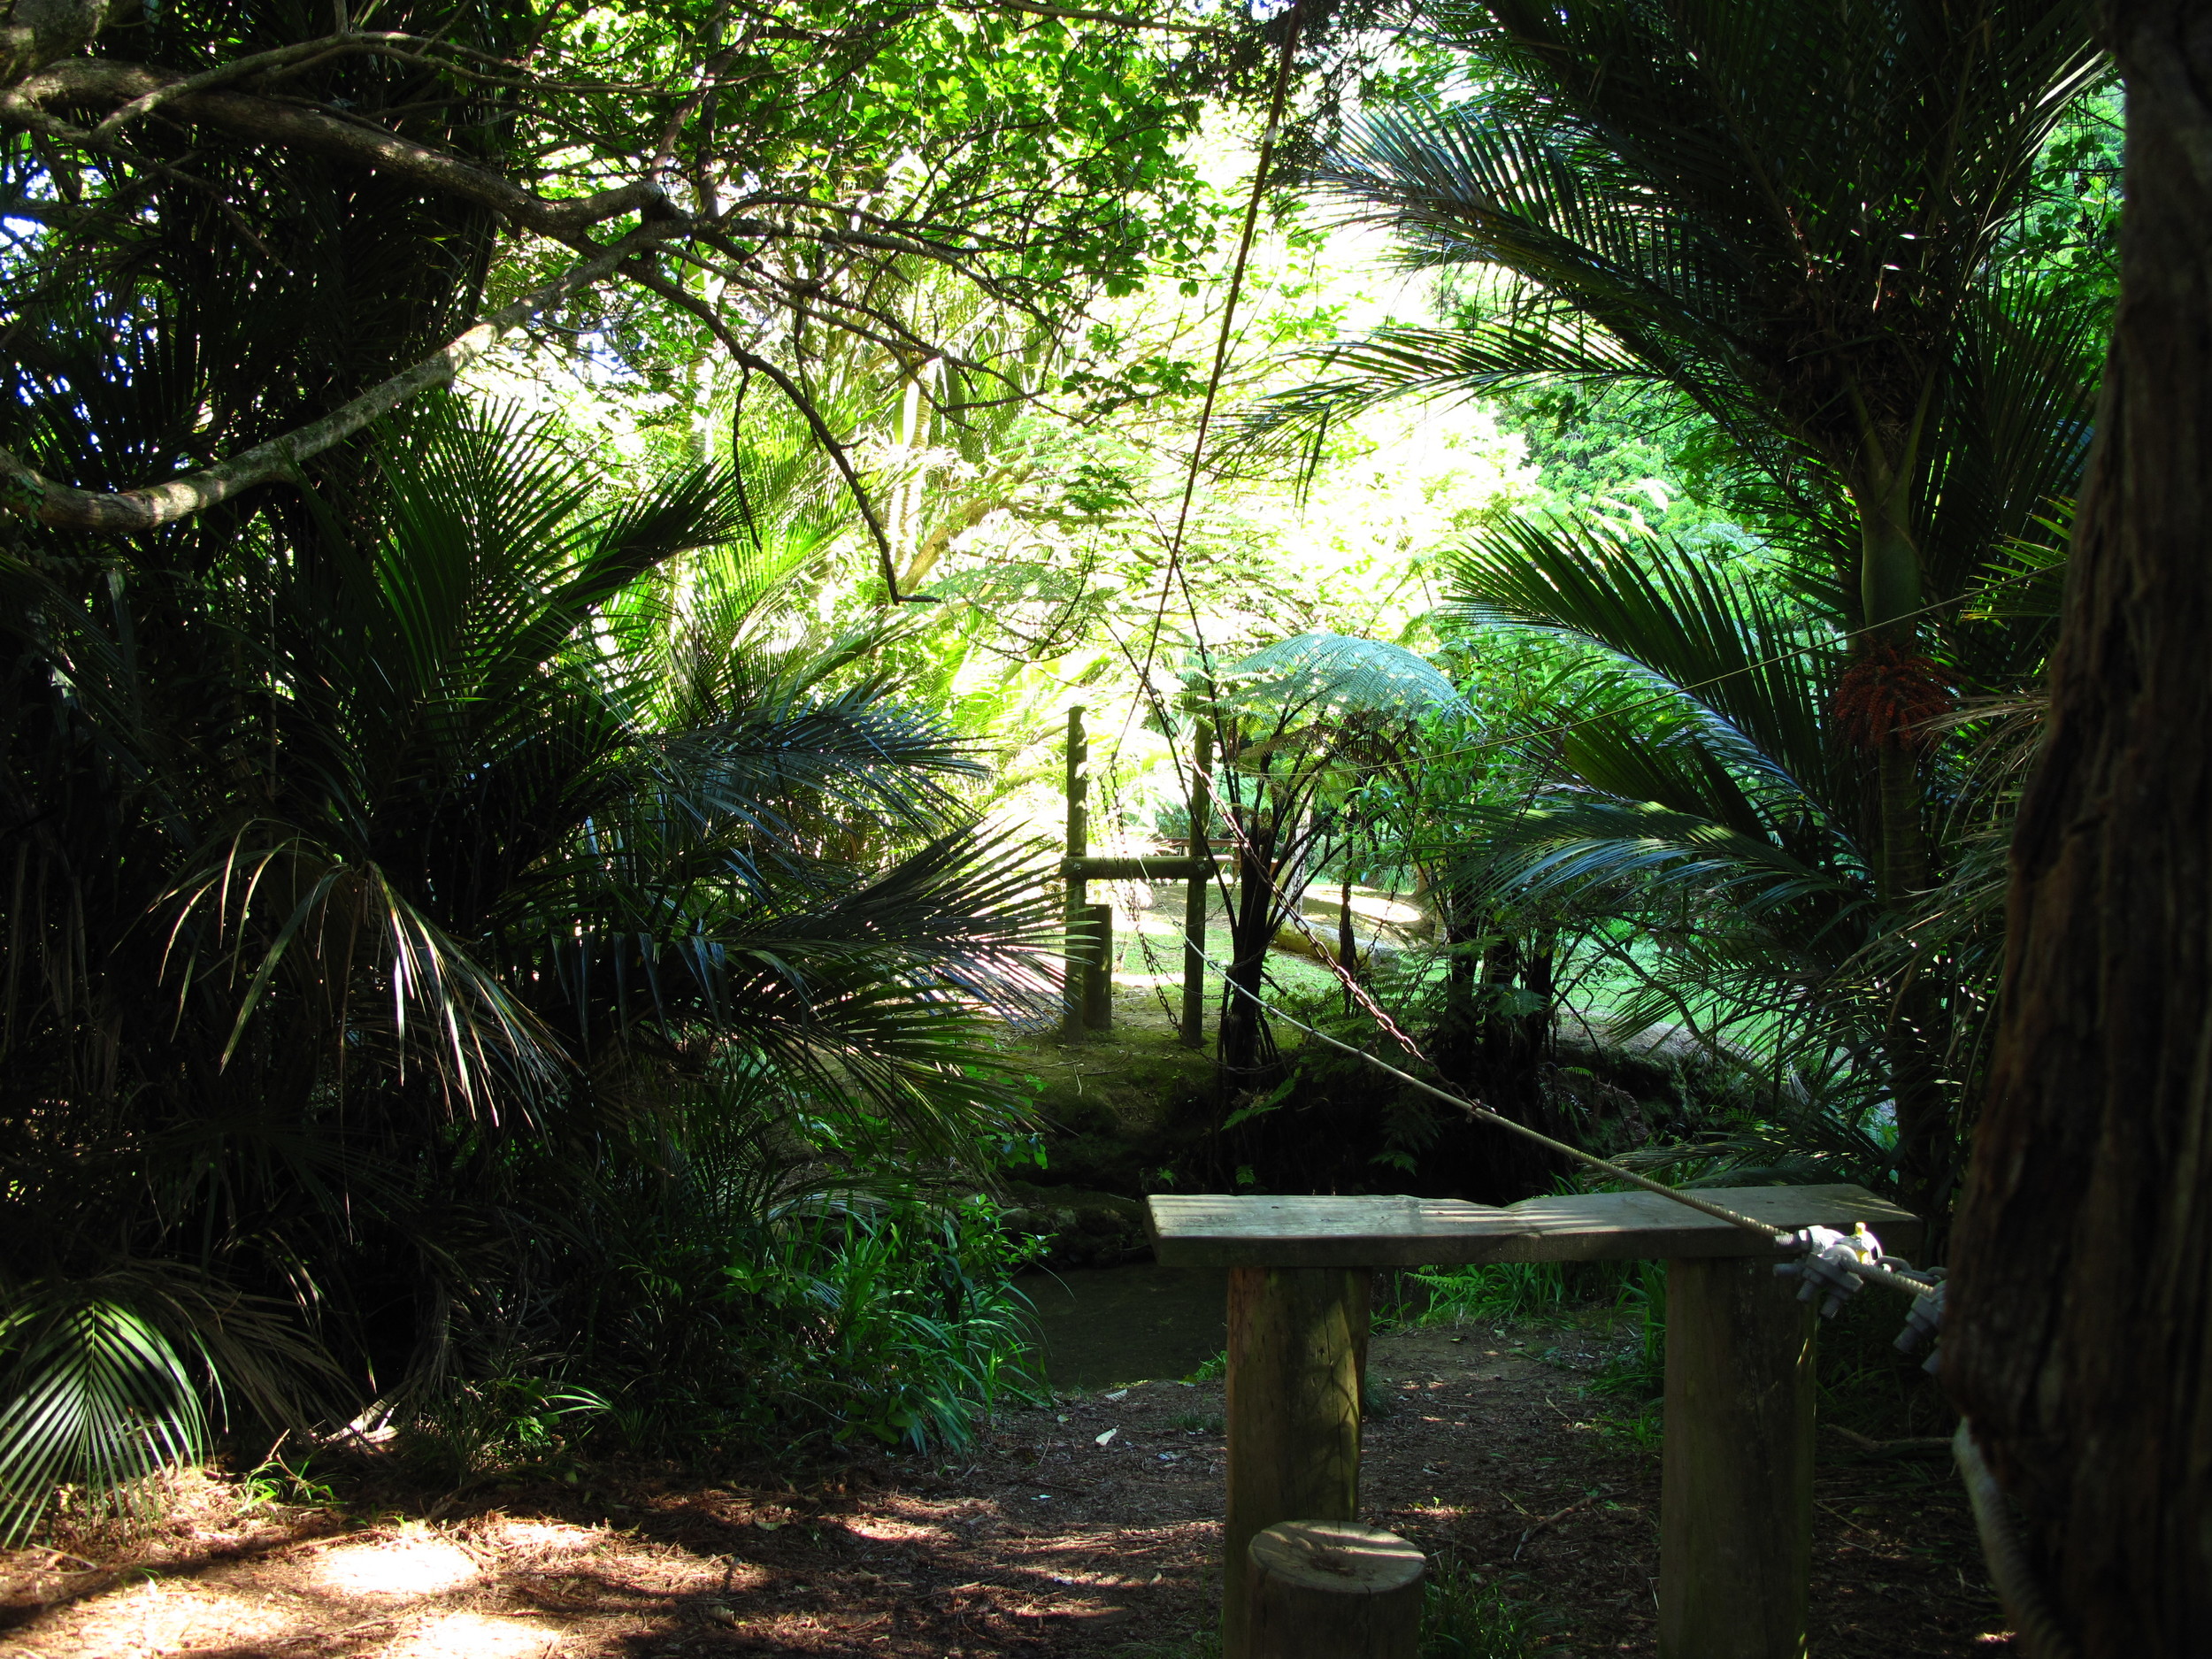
1089, 1528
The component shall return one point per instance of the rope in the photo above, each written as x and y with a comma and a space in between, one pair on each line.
2034, 1623
1174, 577
1484, 1114
1884, 1270
1228, 317
1854, 1259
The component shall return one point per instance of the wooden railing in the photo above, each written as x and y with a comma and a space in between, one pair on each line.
1735, 1524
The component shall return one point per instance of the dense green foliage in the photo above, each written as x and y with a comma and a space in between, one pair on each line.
513, 937
395, 856
1852, 292
414, 879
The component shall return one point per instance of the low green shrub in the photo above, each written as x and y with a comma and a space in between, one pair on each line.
1465, 1616
750, 1272
1210, 1370
1500, 1293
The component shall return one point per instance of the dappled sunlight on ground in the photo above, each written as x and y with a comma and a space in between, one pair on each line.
1038, 1541
478, 1636
414, 1564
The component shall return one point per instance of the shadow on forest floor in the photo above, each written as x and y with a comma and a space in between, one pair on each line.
1089, 1526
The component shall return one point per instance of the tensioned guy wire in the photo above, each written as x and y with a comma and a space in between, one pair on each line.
1782, 1238
1268, 138
1174, 577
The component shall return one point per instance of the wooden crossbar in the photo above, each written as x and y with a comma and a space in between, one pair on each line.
1167, 867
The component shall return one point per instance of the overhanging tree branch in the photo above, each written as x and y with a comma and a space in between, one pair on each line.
60, 506
105, 82
676, 294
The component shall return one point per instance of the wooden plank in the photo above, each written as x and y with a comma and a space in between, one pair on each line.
1213, 1230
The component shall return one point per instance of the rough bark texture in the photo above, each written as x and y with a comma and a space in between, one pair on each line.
1245, 1040
35, 33
102, 85
2080, 1341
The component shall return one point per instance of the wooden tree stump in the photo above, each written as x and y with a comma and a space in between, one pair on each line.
1736, 1492
1297, 1350
1333, 1590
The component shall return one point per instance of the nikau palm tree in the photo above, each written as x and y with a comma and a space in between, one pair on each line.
478, 817
1788, 216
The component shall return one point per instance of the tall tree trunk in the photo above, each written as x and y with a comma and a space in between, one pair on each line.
2080, 1339
1244, 1038
1495, 1056
1890, 593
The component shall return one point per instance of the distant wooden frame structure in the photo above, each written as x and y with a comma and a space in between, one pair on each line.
1089, 1004
1736, 1498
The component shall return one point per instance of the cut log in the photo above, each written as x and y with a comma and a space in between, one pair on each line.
1163, 867
1333, 1590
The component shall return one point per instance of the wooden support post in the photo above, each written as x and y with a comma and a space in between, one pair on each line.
1201, 816
1078, 784
1098, 974
1297, 1352
1334, 1590
1736, 1494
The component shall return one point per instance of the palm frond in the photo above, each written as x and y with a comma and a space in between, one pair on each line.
1571, 846
1754, 671
93, 1395
1313, 673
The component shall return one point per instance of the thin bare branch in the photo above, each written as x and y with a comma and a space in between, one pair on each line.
676, 294
1076, 14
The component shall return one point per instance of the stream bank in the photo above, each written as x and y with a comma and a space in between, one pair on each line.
1104, 1327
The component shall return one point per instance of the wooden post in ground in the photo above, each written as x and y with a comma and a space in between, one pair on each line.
1736, 1493
1079, 783
1202, 815
1098, 979
1334, 1590
1297, 1352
